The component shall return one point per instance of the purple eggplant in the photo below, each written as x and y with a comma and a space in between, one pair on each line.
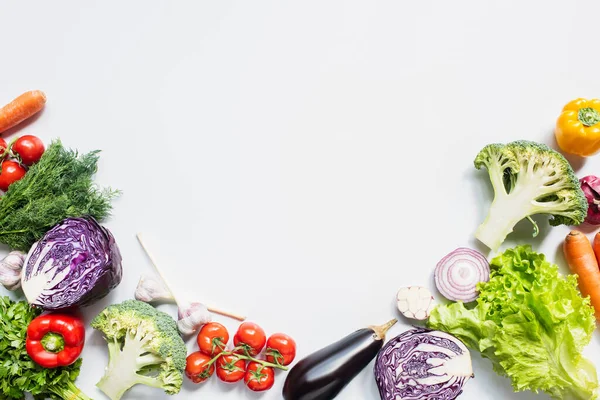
323, 374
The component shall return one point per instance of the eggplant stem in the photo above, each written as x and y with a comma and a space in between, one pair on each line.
381, 330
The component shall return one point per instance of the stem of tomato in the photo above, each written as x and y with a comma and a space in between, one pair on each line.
8, 150
263, 362
244, 357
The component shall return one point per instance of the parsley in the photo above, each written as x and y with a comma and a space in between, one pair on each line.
18, 373
59, 186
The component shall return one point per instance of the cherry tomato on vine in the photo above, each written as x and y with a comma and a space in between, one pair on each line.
230, 368
196, 367
212, 338
3, 145
258, 377
251, 337
281, 349
12, 171
30, 148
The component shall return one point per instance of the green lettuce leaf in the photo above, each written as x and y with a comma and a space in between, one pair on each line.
532, 323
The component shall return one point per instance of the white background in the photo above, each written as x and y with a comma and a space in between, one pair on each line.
299, 162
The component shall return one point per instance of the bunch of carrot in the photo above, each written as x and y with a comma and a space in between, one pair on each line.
583, 257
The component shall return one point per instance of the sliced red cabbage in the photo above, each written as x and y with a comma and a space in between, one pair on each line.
422, 364
74, 264
458, 273
591, 188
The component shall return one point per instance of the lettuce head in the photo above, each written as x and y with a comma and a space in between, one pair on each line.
532, 323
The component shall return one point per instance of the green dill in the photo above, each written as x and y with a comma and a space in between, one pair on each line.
59, 186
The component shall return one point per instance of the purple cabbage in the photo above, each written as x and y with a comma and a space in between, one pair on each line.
76, 263
422, 364
591, 188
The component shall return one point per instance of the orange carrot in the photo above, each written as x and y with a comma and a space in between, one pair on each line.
596, 246
21, 108
582, 261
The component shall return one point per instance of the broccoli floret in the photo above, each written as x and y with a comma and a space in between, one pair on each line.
528, 178
144, 347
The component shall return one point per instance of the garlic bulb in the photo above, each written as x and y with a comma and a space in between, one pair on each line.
191, 318
191, 315
151, 289
10, 270
415, 302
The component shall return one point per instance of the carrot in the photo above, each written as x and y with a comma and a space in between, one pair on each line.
582, 261
21, 108
596, 246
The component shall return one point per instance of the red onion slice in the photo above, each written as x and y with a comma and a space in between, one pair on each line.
457, 274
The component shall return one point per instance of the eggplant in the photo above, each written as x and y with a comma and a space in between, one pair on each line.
323, 374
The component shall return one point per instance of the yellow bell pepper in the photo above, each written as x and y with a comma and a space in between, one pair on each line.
578, 127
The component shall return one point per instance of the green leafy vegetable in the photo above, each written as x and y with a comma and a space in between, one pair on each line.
59, 186
18, 373
532, 323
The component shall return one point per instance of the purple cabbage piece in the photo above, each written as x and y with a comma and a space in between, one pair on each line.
76, 263
422, 364
591, 188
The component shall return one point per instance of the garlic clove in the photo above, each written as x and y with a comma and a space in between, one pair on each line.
11, 280
151, 289
191, 318
10, 270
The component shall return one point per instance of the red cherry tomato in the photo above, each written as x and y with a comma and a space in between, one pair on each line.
3, 145
251, 337
196, 369
281, 349
258, 377
30, 148
212, 338
12, 171
230, 368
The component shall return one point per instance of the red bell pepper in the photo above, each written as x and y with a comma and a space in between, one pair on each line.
55, 340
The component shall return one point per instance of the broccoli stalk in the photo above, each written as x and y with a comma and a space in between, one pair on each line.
144, 347
121, 373
528, 178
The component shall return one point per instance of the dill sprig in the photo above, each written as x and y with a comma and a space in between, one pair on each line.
59, 186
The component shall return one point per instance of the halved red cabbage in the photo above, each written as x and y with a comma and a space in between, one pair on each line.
76, 263
422, 364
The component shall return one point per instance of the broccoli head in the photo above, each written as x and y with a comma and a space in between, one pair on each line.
528, 178
144, 347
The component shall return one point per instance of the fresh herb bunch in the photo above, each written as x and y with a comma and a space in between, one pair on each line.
18, 373
59, 186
